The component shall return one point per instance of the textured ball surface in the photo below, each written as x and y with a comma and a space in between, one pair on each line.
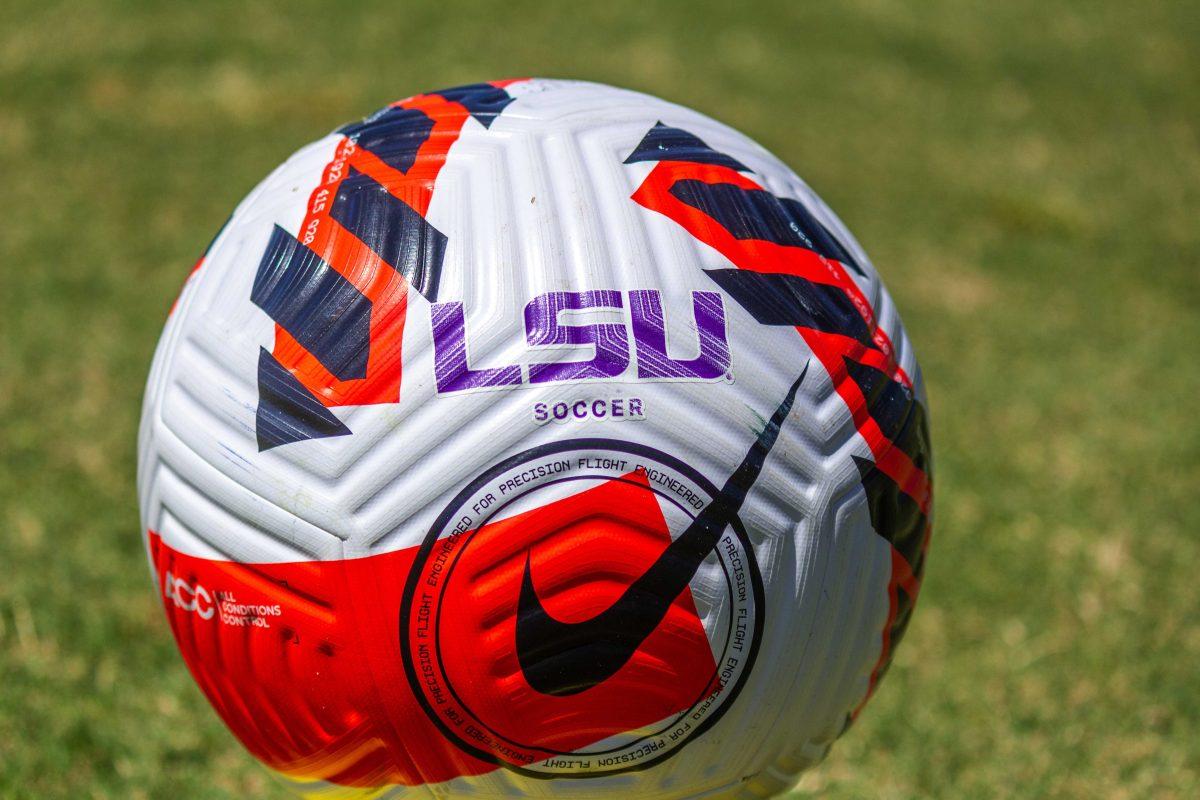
535, 438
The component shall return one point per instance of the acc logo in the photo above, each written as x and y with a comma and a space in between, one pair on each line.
189, 598
608, 341
548, 623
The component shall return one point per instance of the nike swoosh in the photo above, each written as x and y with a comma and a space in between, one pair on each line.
565, 658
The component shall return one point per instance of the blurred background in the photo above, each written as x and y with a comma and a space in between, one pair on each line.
1026, 176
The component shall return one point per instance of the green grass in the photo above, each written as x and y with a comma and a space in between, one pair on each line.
1027, 177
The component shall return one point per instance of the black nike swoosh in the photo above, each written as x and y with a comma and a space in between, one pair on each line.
565, 658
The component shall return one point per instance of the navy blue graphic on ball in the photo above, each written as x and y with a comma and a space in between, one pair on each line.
320, 304
394, 135
757, 214
782, 299
390, 227
288, 412
315, 304
664, 143
484, 101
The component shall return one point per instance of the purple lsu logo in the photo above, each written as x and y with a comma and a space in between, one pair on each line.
608, 341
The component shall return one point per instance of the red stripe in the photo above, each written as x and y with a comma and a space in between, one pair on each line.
829, 348
374, 277
766, 257
902, 579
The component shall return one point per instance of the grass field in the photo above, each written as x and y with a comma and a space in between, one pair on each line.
1025, 174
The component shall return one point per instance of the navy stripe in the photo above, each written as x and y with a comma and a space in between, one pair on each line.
288, 412
393, 134
758, 214
894, 515
897, 412
776, 299
896, 518
484, 101
663, 143
322, 311
390, 227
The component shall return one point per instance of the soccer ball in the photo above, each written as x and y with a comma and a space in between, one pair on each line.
535, 438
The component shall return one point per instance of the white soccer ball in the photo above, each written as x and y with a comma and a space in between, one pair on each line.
535, 438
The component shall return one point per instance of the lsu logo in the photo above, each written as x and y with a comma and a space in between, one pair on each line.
608, 341
338, 292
